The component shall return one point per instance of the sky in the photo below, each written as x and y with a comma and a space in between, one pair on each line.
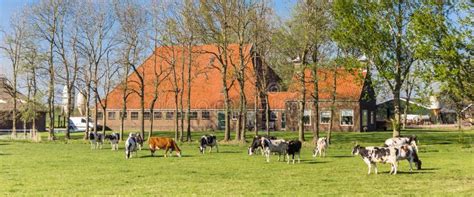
9, 7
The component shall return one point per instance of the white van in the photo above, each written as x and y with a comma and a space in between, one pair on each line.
78, 124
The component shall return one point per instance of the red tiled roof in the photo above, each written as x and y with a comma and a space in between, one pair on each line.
206, 85
277, 100
349, 84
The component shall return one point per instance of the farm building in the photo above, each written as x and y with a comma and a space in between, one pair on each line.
354, 108
6, 109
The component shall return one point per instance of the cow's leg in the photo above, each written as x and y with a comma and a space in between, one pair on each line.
370, 167
267, 154
217, 148
210, 149
298, 157
410, 161
287, 158
293, 157
376, 170
166, 152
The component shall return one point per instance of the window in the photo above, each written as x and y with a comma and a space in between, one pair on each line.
134, 115
169, 115
372, 117
124, 115
347, 117
157, 115
273, 115
205, 115
283, 120
111, 115
193, 115
100, 115
146, 115
365, 117
325, 117
179, 114
307, 117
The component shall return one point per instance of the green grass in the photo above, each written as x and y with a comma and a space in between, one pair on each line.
65, 169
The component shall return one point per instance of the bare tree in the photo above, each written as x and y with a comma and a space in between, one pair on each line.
13, 46
132, 20
46, 16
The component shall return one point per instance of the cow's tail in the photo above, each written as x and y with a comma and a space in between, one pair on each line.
176, 148
128, 150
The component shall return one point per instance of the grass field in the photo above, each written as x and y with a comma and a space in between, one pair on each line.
65, 169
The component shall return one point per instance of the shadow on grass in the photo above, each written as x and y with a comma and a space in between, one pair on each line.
226, 152
4, 144
342, 156
162, 156
414, 172
429, 169
313, 162
4, 154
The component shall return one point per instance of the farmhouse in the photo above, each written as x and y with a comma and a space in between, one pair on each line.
6, 109
354, 106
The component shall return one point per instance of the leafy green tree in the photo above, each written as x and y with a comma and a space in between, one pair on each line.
379, 29
444, 42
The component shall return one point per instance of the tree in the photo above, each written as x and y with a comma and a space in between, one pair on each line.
305, 37
214, 26
132, 20
13, 46
443, 40
379, 30
46, 17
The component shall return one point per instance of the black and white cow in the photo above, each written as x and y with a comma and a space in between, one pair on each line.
114, 140
140, 140
274, 146
96, 139
257, 144
131, 145
208, 140
373, 155
399, 141
294, 147
409, 153
321, 147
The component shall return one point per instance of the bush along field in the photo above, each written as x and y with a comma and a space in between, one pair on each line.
63, 168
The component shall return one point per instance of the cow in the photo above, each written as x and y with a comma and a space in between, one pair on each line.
294, 147
409, 153
131, 145
96, 140
156, 143
274, 146
399, 141
139, 141
114, 140
208, 140
321, 147
257, 144
373, 155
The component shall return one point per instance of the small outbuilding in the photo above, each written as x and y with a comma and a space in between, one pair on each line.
6, 109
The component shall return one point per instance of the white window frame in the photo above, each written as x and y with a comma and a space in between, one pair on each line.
321, 117
372, 117
208, 115
340, 122
109, 115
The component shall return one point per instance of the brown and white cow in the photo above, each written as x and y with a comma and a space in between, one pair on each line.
321, 147
165, 143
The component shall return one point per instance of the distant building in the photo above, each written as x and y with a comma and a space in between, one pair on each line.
6, 109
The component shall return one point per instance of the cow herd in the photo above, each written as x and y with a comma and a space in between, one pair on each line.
393, 151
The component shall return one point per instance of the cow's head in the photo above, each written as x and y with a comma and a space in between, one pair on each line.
355, 150
250, 150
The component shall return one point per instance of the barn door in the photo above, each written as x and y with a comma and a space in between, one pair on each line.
220, 120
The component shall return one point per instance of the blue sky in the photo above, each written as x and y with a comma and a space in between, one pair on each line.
10, 7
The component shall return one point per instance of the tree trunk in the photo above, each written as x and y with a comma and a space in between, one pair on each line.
14, 112
406, 111
267, 115
122, 116
315, 105
255, 118
333, 105
396, 120
176, 120
142, 107
188, 120
302, 108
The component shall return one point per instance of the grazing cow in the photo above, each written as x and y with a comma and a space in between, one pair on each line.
257, 144
131, 145
156, 143
408, 152
373, 155
139, 141
274, 146
321, 147
399, 141
208, 140
96, 140
294, 147
114, 140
